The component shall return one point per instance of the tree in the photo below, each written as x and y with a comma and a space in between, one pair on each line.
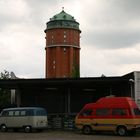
5, 75
5, 94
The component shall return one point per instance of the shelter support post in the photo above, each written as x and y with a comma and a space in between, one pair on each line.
18, 95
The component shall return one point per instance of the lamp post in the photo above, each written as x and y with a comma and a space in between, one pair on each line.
131, 88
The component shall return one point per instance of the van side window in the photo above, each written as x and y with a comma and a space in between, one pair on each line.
119, 111
16, 113
103, 112
41, 112
23, 113
11, 113
30, 112
87, 112
136, 111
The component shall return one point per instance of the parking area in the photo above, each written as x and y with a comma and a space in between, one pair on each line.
62, 135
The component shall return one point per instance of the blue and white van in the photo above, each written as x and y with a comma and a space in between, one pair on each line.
27, 118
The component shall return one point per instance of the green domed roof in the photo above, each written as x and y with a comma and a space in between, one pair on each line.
62, 16
62, 20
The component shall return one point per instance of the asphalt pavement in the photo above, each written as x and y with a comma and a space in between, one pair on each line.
62, 135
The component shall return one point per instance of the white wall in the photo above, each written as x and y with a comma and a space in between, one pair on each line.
137, 87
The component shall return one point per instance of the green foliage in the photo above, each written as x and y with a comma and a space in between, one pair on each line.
75, 71
5, 75
5, 94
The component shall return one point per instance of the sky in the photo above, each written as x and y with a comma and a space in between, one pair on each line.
110, 37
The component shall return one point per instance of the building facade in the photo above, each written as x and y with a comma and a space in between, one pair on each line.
62, 46
63, 98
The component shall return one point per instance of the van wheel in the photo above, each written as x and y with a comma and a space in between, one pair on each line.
3, 128
27, 129
87, 130
122, 131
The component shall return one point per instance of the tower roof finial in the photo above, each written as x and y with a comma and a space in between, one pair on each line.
62, 8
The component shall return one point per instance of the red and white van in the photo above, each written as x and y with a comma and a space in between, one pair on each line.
118, 114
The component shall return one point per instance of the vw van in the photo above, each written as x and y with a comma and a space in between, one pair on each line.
27, 118
118, 114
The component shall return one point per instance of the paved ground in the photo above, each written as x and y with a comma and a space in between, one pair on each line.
62, 135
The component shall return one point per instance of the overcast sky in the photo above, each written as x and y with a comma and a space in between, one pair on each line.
110, 38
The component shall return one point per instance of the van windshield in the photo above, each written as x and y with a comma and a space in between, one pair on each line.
137, 111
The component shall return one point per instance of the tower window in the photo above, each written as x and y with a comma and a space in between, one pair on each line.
65, 36
53, 61
64, 49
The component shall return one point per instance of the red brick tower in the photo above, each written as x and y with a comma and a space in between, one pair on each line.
62, 46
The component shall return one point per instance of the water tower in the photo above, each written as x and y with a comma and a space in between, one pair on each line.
62, 46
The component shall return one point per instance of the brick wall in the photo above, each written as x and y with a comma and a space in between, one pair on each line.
62, 51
